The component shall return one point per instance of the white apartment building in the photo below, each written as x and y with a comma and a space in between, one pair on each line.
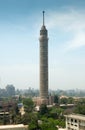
13, 127
75, 122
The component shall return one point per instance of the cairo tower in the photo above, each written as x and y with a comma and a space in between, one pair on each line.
43, 39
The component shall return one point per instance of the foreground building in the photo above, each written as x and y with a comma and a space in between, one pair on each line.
13, 127
75, 122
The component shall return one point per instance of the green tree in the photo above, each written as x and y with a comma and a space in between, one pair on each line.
60, 123
80, 106
63, 100
70, 100
33, 125
48, 124
43, 109
56, 112
80, 109
28, 104
17, 119
56, 99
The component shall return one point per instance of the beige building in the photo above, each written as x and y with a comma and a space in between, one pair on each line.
75, 122
14, 127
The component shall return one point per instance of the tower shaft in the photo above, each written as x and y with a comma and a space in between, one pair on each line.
43, 62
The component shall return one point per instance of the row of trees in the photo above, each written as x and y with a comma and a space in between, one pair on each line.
68, 100
80, 106
46, 118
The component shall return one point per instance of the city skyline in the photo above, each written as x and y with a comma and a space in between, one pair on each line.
20, 23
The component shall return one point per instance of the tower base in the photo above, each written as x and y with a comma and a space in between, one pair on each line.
38, 101
48, 101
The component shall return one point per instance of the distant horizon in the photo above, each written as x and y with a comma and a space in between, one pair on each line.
20, 24
75, 89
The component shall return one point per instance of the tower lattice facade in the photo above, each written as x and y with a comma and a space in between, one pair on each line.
43, 61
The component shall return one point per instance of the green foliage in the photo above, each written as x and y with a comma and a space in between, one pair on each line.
17, 110
28, 104
56, 99
60, 122
17, 119
20, 99
33, 125
63, 101
56, 112
26, 118
48, 117
43, 109
70, 100
48, 124
80, 107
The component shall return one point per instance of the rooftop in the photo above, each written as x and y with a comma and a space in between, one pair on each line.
11, 126
76, 116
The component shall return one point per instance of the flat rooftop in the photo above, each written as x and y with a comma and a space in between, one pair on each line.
11, 126
76, 116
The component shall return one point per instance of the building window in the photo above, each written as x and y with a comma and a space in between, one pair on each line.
71, 120
75, 121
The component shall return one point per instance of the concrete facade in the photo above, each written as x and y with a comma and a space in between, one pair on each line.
43, 61
14, 127
75, 122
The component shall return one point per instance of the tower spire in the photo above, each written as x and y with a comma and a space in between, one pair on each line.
43, 18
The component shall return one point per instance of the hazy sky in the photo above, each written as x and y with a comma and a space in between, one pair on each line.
20, 23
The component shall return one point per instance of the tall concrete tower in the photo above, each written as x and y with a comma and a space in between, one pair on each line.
43, 61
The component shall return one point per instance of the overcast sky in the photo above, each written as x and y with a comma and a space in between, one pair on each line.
20, 23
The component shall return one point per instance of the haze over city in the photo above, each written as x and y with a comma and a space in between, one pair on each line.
20, 23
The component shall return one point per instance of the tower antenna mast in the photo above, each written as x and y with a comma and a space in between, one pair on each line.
43, 18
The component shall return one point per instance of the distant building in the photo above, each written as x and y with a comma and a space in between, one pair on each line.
10, 89
75, 122
63, 96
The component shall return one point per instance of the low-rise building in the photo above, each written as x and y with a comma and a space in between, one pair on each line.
60, 128
75, 122
21, 108
13, 127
